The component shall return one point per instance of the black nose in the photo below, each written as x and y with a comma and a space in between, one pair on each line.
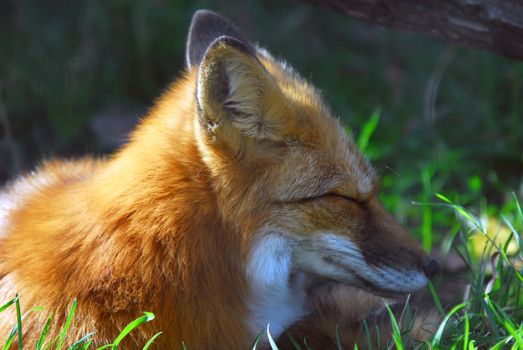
431, 268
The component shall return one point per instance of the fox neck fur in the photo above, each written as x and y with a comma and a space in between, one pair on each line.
137, 232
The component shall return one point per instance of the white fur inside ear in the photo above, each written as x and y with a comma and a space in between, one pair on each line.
247, 84
274, 300
200, 86
246, 89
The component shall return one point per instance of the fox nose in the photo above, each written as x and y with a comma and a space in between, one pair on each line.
431, 268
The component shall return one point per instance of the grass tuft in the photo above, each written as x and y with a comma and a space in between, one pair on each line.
83, 343
396, 332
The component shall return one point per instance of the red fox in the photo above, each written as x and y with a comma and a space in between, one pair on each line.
236, 194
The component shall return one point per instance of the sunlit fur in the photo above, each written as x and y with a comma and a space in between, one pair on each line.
239, 158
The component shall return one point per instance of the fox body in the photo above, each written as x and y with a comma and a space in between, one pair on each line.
236, 194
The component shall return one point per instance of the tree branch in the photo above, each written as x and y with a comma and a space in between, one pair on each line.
494, 25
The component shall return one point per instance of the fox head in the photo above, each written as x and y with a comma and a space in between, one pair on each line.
286, 173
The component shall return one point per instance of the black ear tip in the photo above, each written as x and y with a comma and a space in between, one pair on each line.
198, 14
201, 17
200, 20
205, 27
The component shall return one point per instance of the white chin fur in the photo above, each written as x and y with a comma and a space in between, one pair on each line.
274, 299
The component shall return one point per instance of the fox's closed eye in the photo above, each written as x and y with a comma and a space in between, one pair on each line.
342, 196
331, 194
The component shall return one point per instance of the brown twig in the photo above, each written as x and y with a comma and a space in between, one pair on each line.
494, 25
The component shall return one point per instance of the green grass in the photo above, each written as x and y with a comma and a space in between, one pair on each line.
57, 343
492, 314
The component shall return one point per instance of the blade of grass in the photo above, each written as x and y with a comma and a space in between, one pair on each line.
15, 331
520, 212
338, 340
87, 345
378, 334
51, 344
463, 212
490, 320
517, 238
150, 342
505, 320
439, 333
426, 226
501, 344
44, 332
396, 333
9, 303
509, 262
81, 342
466, 332
63, 333
293, 341
256, 340
368, 129
148, 316
10, 338
436, 298
271, 341
19, 323
367, 332
306, 345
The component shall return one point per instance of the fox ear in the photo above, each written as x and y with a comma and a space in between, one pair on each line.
238, 101
207, 26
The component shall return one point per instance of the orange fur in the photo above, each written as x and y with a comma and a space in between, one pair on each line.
138, 232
